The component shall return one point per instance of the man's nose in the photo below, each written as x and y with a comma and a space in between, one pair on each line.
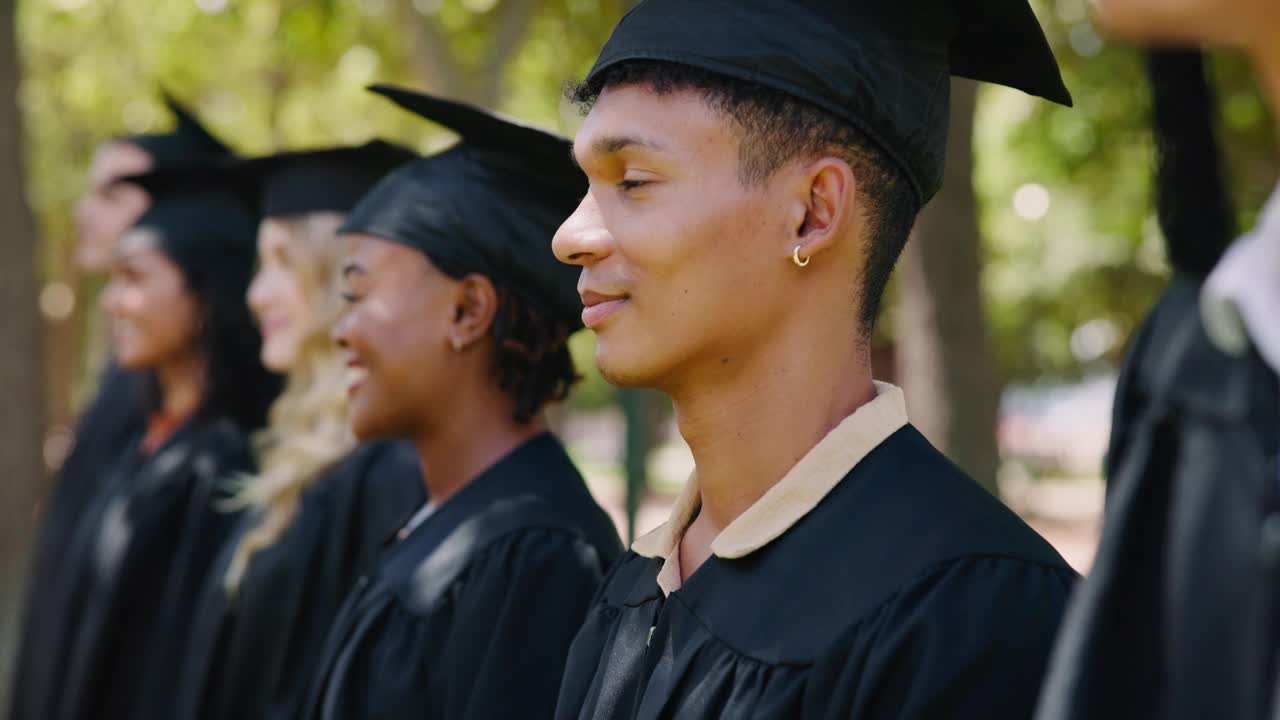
583, 239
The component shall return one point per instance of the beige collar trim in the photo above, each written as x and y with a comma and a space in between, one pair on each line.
793, 497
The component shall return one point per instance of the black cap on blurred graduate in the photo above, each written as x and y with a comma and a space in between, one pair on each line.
188, 142
881, 65
489, 205
199, 217
322, 180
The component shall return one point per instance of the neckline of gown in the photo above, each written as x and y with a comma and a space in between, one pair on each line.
507, 477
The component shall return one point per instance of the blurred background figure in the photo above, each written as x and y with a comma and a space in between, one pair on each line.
319, 509
108, 208
1179, 618
104, 213
131, 562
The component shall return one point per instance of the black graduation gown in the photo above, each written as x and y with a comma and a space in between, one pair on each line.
102, 436
908, 592
471, 615
253, 656
1178, 618
133, 566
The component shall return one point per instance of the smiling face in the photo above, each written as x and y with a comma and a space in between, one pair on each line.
109, 208
682, 263
396, 334
1215, 22
154, 317
278, 295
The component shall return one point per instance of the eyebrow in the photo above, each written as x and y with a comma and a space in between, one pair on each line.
612, 144
352, 268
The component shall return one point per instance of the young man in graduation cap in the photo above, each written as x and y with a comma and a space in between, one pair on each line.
456, 336
755, 169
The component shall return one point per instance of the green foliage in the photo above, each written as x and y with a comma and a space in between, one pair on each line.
268, 74
288, 73
1096, 255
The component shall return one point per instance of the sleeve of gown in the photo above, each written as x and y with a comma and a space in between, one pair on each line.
971, 640
205, 527
516, 614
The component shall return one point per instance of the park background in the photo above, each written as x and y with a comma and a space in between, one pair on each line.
1008, 318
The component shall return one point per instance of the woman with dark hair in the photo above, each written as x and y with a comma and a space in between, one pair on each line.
1179, 618
456, 339
105, 211
144, 542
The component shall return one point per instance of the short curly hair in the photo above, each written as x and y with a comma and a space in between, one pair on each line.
774, 129
531, 358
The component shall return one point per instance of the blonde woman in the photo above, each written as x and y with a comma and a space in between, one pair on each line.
320, 506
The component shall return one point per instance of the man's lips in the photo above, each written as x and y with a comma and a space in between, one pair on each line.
597, 307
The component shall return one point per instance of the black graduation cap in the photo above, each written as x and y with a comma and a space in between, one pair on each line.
199, 216
188, 142
330, 179
490, 204
881, 65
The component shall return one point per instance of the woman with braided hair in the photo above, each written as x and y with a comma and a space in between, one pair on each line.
456, 337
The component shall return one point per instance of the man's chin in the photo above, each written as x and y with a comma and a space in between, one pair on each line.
624, 372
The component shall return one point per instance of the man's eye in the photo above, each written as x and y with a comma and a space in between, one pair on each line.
350, 298
632, 184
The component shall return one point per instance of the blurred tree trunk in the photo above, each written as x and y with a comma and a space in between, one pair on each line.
441, 70
21, 419
945, 359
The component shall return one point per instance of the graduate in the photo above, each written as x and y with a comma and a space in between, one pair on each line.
107, 209
456, 338
319, 508
103, 214
1179, 616
755, 170
137, 553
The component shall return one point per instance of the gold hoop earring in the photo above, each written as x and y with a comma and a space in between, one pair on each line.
795, 258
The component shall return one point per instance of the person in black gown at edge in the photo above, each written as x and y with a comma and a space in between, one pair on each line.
456, 336
105, 212
751, 189
133, 564
320, 507
1180, 614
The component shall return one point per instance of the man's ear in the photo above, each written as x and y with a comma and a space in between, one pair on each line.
475, 307
826, 197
